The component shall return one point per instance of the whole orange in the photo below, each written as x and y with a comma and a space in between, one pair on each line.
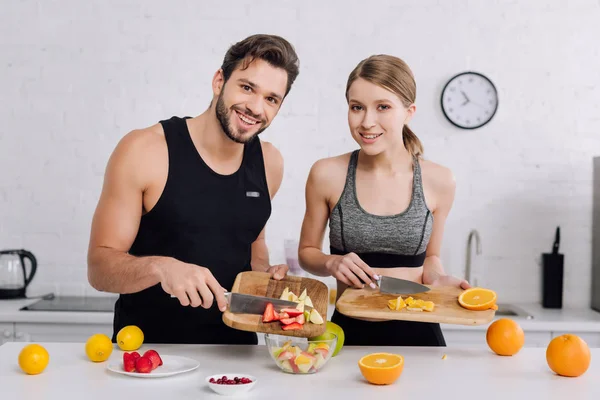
568, 355
505, 337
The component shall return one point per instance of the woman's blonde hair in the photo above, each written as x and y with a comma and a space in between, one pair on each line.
393, 74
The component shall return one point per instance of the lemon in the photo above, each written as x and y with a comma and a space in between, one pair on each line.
33, 359
130, 338
98, 347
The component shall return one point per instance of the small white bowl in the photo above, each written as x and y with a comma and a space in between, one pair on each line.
231, 390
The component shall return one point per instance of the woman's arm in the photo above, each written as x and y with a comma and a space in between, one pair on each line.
349, 268
444, 188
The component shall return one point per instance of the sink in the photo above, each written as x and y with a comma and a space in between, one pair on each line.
510, 310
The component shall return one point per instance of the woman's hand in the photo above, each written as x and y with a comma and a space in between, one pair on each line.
351, 270
447, 280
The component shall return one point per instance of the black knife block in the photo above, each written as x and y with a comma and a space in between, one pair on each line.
552, 281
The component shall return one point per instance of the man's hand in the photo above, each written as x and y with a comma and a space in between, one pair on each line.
447, 280
191, 284
278, 272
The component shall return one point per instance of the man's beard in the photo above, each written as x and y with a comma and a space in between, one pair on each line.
223, 115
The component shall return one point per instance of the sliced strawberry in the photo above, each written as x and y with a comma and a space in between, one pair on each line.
128, 362
154, 357
292, 312
143, 365
300, 319
292, 327
269, 314
287, 321
283, 315
276, 316
135, 355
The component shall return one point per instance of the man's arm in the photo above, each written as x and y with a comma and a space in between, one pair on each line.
116, 221
260, 252
115, 225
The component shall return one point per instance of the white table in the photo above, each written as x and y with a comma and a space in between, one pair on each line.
465, 373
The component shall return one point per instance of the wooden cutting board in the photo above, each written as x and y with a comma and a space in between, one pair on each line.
369, 303
261, 284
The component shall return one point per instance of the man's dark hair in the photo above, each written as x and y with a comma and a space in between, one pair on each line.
273, 49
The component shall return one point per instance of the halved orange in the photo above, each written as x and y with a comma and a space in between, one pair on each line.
478, 299
381, 368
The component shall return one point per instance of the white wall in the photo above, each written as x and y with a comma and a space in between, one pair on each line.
76, 76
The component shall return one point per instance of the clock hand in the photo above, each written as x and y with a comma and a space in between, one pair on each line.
466, 98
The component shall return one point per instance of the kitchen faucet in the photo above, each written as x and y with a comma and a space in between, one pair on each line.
472, 234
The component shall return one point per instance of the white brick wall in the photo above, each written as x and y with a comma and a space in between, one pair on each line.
76, 76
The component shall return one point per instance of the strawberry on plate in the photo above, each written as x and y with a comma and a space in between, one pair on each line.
154, 357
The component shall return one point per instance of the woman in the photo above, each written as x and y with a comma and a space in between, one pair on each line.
386, 206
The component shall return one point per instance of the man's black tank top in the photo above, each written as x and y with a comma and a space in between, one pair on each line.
203, 218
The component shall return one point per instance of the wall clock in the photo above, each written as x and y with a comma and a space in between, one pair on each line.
469, 100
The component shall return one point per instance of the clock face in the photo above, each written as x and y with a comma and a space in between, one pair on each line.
469, 100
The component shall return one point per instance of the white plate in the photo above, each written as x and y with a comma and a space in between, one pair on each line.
172, 365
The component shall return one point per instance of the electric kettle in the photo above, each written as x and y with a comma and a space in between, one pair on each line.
13, 274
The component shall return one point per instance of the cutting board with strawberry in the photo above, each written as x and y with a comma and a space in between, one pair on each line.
305, 319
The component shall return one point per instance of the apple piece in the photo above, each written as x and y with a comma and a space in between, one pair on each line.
303, 295
285, 295
293, 297
300, 306
322, 352
308, 302
286, 366
307, 315
286, 355
319, 361
311, 348
315, 317
276, 351
297, 350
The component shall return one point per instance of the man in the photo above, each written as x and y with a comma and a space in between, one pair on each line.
185, 202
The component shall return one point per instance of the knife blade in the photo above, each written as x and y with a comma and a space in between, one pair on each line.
240, 303
400, 286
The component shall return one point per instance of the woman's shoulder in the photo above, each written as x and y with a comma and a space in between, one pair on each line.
328, 175
437, 176
331, 165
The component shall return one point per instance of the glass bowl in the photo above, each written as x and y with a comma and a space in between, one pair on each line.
297, 355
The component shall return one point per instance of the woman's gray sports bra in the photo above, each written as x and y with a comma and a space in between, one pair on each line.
381, 241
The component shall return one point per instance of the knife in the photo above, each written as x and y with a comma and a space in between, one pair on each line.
240, 303
400, 286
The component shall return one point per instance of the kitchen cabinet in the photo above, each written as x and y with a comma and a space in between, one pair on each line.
7, 332
45, 332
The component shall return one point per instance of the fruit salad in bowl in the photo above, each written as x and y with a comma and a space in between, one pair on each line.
299, 355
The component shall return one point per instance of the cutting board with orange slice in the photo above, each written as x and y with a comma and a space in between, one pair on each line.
371, 304
261, 284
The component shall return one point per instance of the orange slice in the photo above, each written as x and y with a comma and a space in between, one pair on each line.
478, 299
381, 368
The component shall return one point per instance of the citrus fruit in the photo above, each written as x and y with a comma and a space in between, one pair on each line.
130, 338
334, 328
381, 368
33, 359
478, 299
98, 347
568, 355
505, 337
